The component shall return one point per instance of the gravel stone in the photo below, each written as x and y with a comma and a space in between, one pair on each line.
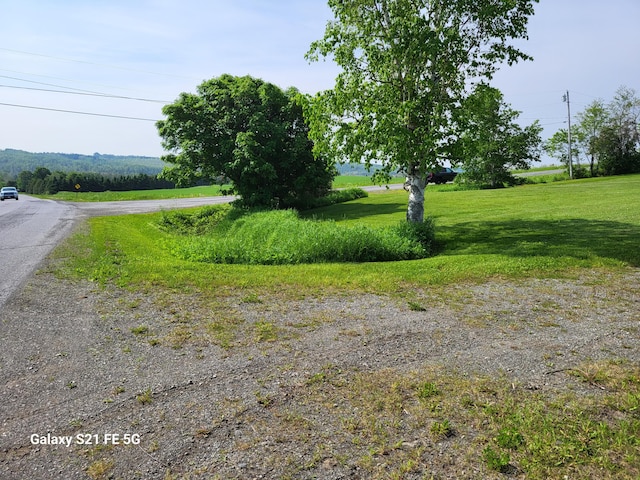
71, 365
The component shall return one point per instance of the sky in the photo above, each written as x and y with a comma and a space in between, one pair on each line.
91, 76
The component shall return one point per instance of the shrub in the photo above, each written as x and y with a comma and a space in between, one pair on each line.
509, 438
420, 232
427, 390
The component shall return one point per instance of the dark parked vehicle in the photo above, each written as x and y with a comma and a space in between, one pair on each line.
442, 175
8, 192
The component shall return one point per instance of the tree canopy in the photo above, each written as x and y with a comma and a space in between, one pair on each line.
249, 131
406, 65
43, 181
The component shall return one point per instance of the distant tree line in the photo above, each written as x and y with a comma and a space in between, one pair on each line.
43, 181
605, 137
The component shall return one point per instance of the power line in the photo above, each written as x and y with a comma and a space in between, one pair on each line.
79, 113
93, 94
46, 84
58, 78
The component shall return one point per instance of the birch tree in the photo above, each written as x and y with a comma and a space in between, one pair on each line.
406, 64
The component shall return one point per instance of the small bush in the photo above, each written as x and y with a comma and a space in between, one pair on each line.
442, 430
509, 438
427, 390
199, 222
145, 397
140, 330
417, 307
420, 232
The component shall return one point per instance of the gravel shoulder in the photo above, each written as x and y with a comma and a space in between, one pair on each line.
205, 385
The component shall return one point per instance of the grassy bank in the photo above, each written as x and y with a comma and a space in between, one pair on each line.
538, 230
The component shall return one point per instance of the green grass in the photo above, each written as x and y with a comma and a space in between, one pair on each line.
532, 230
281, 237
349, 181
160, 194
488, 423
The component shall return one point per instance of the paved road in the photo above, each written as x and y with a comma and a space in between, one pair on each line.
93, 209
31, 228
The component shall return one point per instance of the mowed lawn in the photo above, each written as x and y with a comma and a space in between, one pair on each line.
532, 230
594, 222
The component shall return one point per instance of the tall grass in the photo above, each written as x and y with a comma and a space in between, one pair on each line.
281, 237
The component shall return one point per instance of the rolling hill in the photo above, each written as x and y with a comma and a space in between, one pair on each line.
12, 162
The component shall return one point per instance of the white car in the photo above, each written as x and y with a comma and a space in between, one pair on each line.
8, 192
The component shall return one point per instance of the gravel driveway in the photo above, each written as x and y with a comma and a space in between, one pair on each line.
137, 388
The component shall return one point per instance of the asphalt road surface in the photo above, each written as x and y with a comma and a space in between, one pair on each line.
30, 228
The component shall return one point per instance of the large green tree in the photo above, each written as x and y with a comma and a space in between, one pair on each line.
491, 142
406, 65
249, 131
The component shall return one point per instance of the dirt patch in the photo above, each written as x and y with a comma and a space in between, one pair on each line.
251, 385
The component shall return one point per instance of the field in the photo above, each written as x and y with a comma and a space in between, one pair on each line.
344, 181
513, 351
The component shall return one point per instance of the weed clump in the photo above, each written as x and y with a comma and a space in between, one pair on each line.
498, 461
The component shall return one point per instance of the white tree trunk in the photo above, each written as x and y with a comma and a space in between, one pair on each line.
415, 185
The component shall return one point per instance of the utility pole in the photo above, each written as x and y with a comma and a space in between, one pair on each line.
565, 98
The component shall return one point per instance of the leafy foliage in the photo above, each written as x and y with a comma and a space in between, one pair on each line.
43, 181
498, 461
250, 132
406, 66
619, 142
